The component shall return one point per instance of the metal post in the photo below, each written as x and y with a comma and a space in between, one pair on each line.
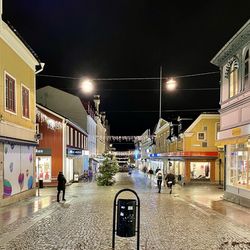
219, 171
160, 92
38, 190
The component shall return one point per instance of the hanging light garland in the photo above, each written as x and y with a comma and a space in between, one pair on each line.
51, 124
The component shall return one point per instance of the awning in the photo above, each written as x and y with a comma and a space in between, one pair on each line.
17, 141
235, 140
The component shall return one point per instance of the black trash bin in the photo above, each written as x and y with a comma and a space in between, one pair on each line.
126, 217
40, 183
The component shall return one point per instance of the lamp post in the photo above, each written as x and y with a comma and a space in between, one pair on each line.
160, 92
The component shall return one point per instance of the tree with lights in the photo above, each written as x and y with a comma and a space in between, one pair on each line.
107, 170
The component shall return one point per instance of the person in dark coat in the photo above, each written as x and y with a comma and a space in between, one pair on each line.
61, 186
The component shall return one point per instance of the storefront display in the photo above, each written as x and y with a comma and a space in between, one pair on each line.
238, 171
200, 170
18, 168
43, 164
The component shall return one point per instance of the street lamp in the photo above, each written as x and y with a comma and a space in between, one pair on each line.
170, 85
87, 86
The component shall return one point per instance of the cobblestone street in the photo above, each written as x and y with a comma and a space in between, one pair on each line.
84, 221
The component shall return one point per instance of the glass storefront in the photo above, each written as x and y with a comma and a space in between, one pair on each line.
237, 165
44, 168
200, 170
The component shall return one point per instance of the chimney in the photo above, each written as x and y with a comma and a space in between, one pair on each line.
96, 101
103, 114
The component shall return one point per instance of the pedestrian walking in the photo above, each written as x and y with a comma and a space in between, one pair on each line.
150, 173
90, 175
61, 186
159, 177
170, 180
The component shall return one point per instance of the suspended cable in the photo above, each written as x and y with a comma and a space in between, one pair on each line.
128, 78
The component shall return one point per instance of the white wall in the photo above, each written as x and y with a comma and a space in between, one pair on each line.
91, 129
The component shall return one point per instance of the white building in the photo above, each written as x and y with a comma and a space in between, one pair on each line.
234, 135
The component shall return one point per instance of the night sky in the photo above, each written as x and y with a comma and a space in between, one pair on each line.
121, 39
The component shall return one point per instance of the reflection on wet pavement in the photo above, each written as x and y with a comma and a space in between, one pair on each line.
24, 209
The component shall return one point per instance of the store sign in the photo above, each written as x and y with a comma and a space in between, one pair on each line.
74, 152
43, 151
236, 131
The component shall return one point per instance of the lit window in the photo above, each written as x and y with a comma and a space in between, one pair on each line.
233, 79
201, 136
75, 144
246, 70
68, 135
71, 136
10, 93
25, 102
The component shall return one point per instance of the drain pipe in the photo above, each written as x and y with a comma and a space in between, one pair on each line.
41, 64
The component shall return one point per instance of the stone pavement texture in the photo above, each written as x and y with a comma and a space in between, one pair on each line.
191, 218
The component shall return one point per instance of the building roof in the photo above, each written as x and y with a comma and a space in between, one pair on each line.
201, 116
22, 40
63, 103
239, 40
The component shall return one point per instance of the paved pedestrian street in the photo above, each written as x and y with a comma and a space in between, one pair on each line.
193, 217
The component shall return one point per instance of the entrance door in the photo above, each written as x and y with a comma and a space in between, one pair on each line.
69, 169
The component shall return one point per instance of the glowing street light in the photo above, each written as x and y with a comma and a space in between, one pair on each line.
171, 84
87, 86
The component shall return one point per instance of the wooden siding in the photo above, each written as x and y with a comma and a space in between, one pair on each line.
52, 139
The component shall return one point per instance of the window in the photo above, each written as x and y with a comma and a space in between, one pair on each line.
75, 144
79, 140
82, 146
71, 137
201, 136
10, 93
68, 136
233, 79
237, 165
246, 70
25, 102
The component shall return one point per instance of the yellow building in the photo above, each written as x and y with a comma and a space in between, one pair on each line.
192, 155
17, 115
197, 156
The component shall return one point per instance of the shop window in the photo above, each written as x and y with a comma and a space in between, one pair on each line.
10, 93
25, 102
238, 160
44, 168
200, 170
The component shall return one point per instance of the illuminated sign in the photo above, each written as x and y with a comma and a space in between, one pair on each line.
43, 151
74, 152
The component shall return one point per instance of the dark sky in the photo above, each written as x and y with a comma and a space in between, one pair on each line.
111, 39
